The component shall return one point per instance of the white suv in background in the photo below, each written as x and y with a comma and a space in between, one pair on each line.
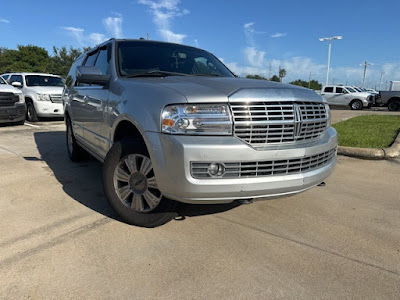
42, 94
346, 96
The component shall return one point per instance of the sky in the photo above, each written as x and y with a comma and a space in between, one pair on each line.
250, 37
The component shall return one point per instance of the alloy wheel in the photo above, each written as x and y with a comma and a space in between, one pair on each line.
135, 183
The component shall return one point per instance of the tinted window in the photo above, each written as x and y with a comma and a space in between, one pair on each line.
16, 78
42, 80
91, 60
339, 90
328, 89
141, 57
350, 90
102, 61
2, 81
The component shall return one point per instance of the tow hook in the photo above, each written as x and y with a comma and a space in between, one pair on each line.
245, 201
322, 184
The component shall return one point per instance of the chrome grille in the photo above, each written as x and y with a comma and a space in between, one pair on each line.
262, 123
266, 168
56, 98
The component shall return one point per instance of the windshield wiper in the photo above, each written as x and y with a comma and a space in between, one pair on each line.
213, 75
156, 73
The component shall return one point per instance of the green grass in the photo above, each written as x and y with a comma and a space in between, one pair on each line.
368, 131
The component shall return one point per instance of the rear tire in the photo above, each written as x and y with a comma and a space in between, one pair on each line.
31, 114
356, 105
75, 152
130, 186
394, 105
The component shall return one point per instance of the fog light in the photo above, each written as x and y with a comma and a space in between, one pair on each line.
216, 169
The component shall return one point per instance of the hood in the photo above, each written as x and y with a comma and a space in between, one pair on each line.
6, 88
198, 89
46, 89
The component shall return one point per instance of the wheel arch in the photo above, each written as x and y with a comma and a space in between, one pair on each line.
125, 128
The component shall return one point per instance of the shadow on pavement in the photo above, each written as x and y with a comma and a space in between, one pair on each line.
83, 182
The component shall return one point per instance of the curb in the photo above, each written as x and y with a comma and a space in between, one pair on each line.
370, 153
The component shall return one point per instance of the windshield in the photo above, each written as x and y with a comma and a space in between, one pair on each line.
135, 58
2, 81
42, 80
351, 90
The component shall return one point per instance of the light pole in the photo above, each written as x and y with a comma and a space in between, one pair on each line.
338, 37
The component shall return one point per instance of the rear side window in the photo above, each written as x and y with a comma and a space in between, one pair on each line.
328, 89
91, 59
103, 59
16, 78
339, 90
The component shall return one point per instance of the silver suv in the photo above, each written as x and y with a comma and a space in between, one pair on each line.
172, 123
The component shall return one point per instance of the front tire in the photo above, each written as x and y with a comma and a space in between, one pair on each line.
356, 105
130, 186
394, 105
31, 114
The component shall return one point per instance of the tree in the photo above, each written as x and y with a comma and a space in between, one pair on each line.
282, 73
36, 59
25, 59
275, 78
62, 60
314, 84
255, 76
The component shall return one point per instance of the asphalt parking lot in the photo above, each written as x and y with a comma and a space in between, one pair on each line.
60, 239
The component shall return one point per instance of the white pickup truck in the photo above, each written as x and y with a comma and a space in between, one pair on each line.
346, 96
42, 94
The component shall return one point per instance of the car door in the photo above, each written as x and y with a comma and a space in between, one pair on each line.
327, 93
341, 96
93, 98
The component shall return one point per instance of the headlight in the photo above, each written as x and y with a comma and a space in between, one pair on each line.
328, 115
21, 98
205, 119
43, 97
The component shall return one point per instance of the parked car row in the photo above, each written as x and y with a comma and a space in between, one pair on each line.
359, 98
354, 97
41, 95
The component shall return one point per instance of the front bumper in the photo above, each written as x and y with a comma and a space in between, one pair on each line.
14, 113
172, 156
49, 109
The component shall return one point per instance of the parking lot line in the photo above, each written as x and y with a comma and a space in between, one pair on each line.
28, 124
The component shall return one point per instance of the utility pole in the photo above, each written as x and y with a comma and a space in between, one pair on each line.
365, 64
380, 81
148, 36
279, 73
270, 70
309, 81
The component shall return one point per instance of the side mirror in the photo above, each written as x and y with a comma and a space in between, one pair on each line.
91, 75
16, 84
